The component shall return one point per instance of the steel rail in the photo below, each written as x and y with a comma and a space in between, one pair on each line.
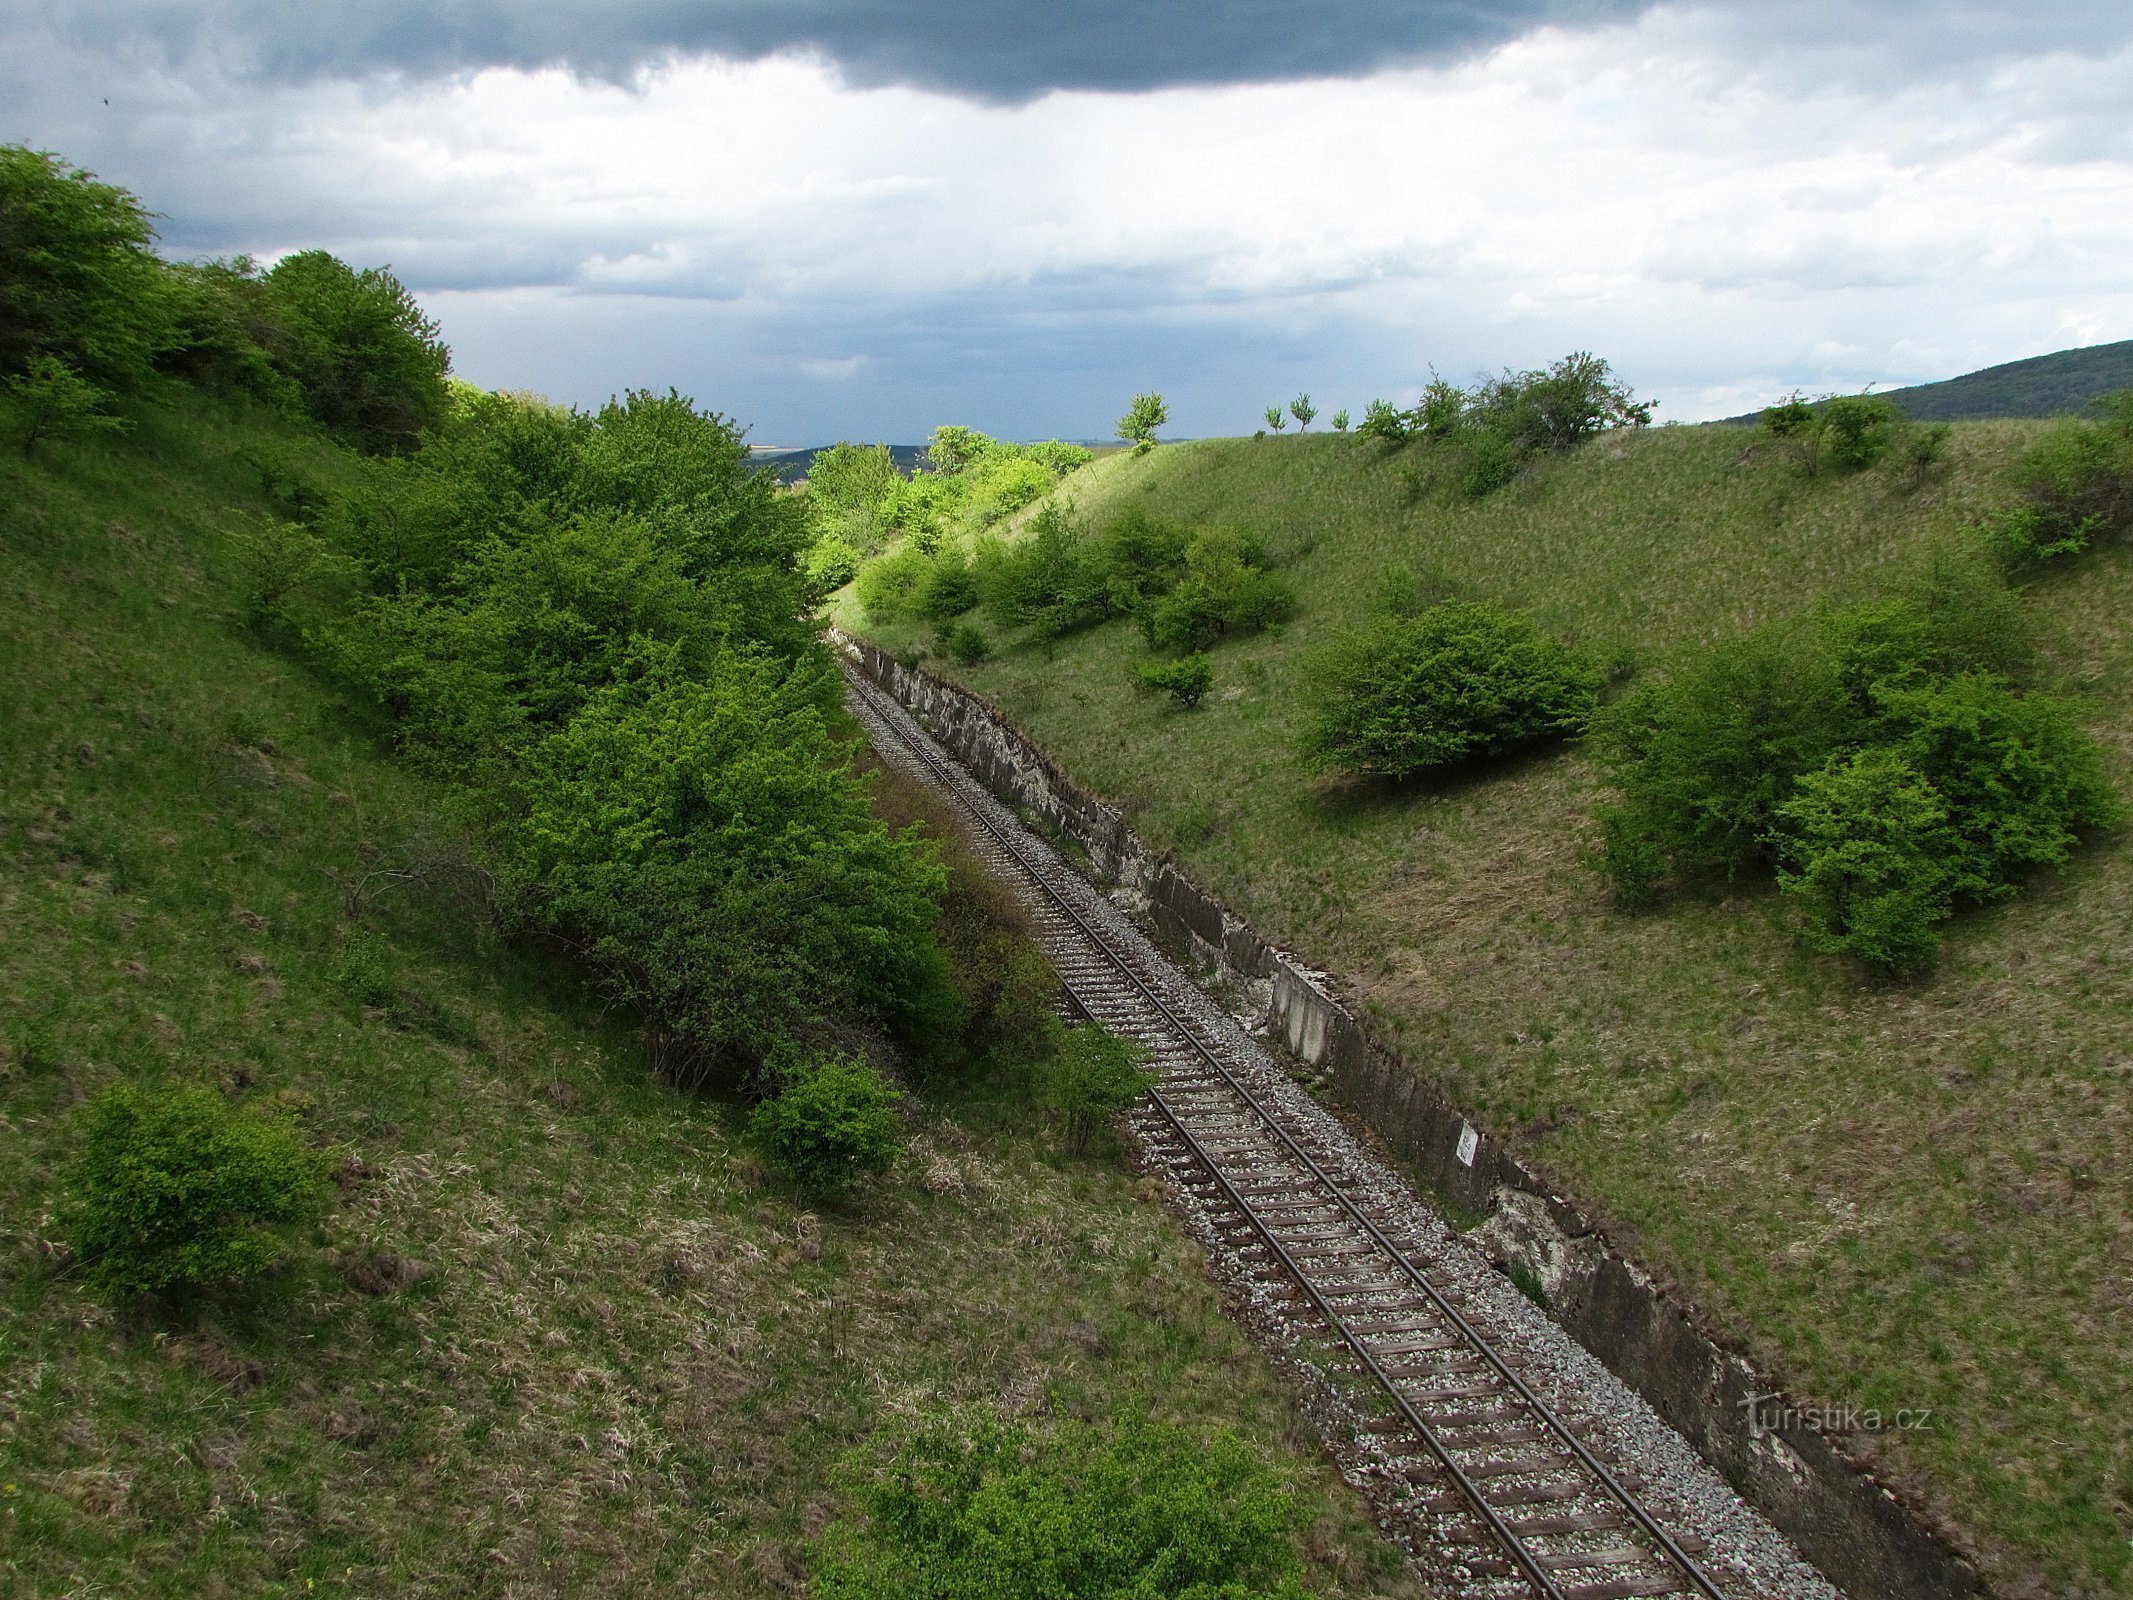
1185, 1030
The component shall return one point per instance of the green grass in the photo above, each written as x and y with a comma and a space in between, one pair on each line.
559, 1333
1909, 1197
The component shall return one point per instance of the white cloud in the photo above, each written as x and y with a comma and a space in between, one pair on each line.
1717, 224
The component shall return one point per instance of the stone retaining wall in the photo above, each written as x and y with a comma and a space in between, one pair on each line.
1847, 1524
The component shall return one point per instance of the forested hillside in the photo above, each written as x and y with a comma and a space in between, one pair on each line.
500, 1095
1730, 820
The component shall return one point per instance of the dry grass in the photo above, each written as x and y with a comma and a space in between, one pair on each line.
1909, 1197
558, 1335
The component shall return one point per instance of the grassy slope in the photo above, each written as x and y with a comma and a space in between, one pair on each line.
1898, 1198
626, 1362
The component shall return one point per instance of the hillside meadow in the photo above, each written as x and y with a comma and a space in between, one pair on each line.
1908, 1196
560, 1331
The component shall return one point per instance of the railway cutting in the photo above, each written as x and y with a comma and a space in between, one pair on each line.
1452, 1415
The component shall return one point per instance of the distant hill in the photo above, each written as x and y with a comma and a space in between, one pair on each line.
792, 464
2041, 386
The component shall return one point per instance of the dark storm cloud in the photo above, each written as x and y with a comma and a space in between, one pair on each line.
1002, 52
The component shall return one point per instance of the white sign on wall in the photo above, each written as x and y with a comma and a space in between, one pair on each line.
1469, 1142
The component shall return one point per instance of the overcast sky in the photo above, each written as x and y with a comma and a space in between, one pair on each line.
859, 218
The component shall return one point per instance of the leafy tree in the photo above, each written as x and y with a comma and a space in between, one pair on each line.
369, 362
1224, 589
894, 584
1923, 446
1276, 418
79, 279
697, 835
1051, 582
1442, 410
1186, 680
1706, 753
1861, 429
1340, 420
175, 1191
1384, 420
1865, 847
833, 1123
1796, 425
1148, 413
952, 448
1303, 411
1462, 679
1137, 1510
852, 490
53, 401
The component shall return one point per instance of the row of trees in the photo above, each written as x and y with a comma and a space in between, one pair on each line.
89, 313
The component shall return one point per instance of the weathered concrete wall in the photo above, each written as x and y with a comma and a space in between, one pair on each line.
1845, 1522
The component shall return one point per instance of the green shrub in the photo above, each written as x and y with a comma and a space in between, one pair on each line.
951, 590
2021, 781
1224, 589
79, 278
1461, 680
832, 562
1143, 556
175, 1191
1093, 1075
965, 644
699, 838
832, 1123
1706, 754
1861, 427
1186, 680
53, 401
1493, 459
1865, 846
889, 586
1051, 582
368, 360
1138, 1510
2076, 485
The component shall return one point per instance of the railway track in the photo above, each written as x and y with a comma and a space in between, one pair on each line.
1532, 1507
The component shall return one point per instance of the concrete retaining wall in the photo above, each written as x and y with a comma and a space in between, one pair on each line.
1847, 1524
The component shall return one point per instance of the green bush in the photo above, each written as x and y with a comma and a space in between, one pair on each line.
1186, 680
79, 278
1051, 582
53, 401
1705, 754
1223, 590
368, 360
965, 644
175, 1191
1138, 1510
889, 586
1460, 680
2021, 781
832, 562
698, 836
1861, 429
1865, 846
1093, 1075
2076, 485
833, 1123
951, 590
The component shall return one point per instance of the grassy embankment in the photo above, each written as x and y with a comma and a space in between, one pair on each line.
1898, 1197
558, 1333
